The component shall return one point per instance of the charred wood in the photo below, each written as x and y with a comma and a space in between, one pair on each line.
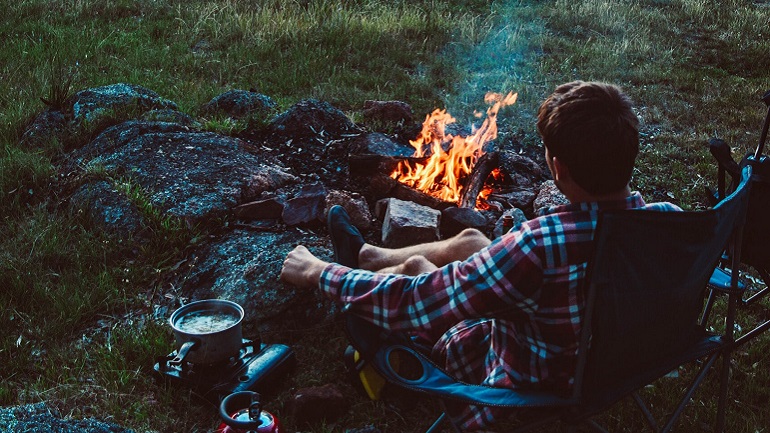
481, 170
383, 186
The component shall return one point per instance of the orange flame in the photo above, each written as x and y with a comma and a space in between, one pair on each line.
440, 175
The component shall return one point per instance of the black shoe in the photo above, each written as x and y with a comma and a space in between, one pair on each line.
346, 239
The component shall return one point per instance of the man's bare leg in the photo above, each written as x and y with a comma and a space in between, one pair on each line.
414, 265
439, 253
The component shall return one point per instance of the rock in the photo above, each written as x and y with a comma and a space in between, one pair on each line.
108, 209
377, 143
549, 195
316, 404
40, 418
312, 118
121, 101
456, 219
261, 209
388, 111
185, 173
169, 115
47, 128
243, 266
521, 199
308, 206
407, 223
354, 204
238, 104
522, 172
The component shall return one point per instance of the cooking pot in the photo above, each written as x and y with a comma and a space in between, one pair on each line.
207, 332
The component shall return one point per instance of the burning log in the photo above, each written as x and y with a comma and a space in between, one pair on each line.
382, 185
481, 170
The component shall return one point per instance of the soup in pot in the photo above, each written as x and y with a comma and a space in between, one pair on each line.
206, 322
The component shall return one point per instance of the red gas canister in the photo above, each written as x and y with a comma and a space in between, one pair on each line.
241, 412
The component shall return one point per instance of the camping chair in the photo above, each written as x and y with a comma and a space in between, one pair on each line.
646, 286
755, 252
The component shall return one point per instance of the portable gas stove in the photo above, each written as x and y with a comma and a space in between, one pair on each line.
254, 369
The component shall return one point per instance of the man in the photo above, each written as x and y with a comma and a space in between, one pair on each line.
505, 313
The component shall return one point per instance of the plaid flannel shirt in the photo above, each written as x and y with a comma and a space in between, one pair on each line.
508, 316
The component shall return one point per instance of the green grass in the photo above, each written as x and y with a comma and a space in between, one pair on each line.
75, 302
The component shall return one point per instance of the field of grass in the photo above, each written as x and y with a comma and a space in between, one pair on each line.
73, 303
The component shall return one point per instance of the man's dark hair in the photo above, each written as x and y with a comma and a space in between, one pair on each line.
591, 128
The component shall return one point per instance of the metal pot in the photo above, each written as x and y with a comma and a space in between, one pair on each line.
207, 332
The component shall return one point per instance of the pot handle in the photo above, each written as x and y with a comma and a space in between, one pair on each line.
183, 351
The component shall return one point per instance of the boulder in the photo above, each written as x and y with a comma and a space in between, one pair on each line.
456, 219
185, 173
269, 208
243, 266
119, 100
48, 127
307, 207
376, 143
312, 118
355, 205
107, 209
407, 223
238, 104
549, 195
388, 111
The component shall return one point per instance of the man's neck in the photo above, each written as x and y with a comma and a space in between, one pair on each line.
579, 195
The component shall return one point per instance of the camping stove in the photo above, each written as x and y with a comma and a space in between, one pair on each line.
255, 368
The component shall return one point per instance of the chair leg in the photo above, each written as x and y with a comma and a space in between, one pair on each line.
723, 388
645, 411
444, 417
707, 310
725, 376
690, 391
436, 424
595, 426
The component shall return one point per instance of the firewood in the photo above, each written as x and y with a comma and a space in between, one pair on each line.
479, 174
382, 186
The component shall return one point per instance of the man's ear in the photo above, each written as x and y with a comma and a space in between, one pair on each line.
560, 171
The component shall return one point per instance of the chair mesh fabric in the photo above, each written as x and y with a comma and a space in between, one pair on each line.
650, 274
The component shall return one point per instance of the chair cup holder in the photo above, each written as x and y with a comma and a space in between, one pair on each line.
404, 363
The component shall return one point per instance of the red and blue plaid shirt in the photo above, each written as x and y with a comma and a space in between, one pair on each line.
508, 316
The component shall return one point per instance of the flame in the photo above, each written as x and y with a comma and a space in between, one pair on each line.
481, 201
440, 175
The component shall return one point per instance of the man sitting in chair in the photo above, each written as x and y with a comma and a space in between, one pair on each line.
503, 313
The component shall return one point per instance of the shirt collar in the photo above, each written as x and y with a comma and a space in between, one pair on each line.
633, 201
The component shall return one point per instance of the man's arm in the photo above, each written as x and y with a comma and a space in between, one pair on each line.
301, 268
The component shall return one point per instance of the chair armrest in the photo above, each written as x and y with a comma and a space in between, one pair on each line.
425, 376
720, 280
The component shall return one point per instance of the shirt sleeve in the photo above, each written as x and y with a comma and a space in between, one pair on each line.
505, 276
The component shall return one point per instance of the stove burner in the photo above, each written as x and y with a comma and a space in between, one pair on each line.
254, 369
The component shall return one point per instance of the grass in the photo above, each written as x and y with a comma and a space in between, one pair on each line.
75, 302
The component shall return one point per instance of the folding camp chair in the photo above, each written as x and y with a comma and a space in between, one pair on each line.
755, 253
646, 287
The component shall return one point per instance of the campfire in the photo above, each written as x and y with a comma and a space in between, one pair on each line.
442, 162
